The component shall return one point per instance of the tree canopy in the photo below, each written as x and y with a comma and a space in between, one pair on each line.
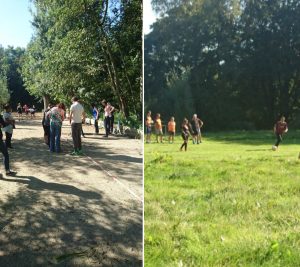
88, 48
233, 62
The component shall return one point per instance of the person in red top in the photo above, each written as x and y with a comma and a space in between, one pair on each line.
280, 128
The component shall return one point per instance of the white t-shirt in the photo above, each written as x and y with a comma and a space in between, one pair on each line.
77, 110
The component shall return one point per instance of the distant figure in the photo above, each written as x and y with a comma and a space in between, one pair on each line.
9, 120
4, 151
95, 113
57, 116
77, 116
158, 128
32, 112
26, 110
108, 109
171, 129
112, 120
20, 111
280, 128
185, 134
196, 125
148, 124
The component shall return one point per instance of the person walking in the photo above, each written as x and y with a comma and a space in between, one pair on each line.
57, 116
3, 150
95, 113
185, 134
108, 109
77, 115
280, 128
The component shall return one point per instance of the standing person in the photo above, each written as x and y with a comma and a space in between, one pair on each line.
77, 115
185, 134
19, 110
3, 150
108, 109
171, 129
9, 120
46, 125
95, 113
196, 125
32, 112
158, 128
112, 120
280, 128
26, 110
148, 124
57, 116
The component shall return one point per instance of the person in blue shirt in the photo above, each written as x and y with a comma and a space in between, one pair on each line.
95, 113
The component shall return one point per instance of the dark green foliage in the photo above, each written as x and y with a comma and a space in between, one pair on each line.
237, 62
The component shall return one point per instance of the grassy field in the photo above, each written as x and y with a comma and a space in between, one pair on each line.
230, 201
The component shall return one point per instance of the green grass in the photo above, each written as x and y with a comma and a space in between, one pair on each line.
230, 201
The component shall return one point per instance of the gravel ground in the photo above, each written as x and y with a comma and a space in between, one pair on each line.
61, 210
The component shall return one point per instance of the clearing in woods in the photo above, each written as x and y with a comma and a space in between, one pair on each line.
230, 201
71, 211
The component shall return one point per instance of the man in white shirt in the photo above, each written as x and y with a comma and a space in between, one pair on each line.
77, 115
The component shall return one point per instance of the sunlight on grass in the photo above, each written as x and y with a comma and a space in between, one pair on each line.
230, 201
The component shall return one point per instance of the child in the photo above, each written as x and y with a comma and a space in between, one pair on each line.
196, 125
9, 120
280, 128
148, 124
185, 134
158, 128
171, 129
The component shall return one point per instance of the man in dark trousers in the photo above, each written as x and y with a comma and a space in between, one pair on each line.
280, 128
4, 151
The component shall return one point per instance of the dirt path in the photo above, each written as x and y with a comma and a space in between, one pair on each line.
62, 210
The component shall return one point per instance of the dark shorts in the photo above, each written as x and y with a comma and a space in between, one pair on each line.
171, 133
185, 137
19, 111
148, 129
196, 131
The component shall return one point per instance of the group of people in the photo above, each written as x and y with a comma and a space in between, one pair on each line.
55, 115
27, 110
192, 128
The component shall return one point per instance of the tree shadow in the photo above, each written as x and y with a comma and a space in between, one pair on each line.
47, 224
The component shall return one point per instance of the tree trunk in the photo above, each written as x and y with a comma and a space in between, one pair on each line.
46, 100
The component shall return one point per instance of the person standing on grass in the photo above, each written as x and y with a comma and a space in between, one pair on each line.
158, 128
57, 116
148, 124
108, 109
185, 134
9, 120
19, 110
171, 129
77, 116
95, 113
3, 150
280, 128
196, 125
